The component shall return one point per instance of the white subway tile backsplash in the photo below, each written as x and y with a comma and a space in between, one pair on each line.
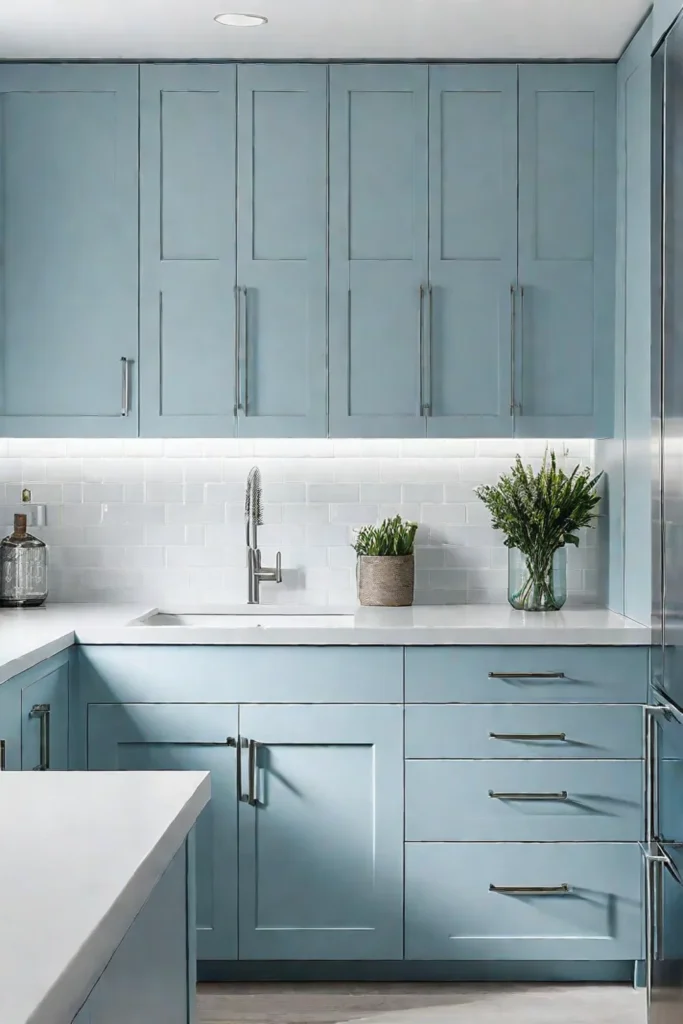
163, 521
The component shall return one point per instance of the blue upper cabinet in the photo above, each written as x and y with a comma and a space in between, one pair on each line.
282, 250
187, 248
69, 248
472, 249
565, 319
378, 250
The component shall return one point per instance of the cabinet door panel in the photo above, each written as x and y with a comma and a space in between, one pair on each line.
51, 690
68, 176
473, 248
10, 726
452, 914
160, 737
321, 873
378, 248
567, 154
282, 249
187, 245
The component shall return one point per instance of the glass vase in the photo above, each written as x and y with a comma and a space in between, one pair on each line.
537, 583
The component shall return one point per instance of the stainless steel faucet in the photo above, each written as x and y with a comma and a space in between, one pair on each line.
253, 517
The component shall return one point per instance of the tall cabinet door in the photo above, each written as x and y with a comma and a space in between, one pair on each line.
565, 339
472, 249
180, 737
187, 249
69, 250
282, 250
321, 843
378, 250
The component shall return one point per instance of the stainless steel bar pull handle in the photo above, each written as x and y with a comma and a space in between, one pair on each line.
125, 386
3, 755
532, 890
526, 675
528, 796
253, 795
427, 387
522, 295
238, 335
244, 359
421, 355
241, 745
513, 332
536, 737
42, 712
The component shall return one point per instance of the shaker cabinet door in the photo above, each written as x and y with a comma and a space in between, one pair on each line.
69, 250
565, 325
321, 843
282, 250
378, 250
45, 717
472, 250
187, 251
178, 737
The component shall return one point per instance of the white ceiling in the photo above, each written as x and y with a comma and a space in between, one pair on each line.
354, 29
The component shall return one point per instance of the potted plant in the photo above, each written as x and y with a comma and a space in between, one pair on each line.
386, 563
540, 513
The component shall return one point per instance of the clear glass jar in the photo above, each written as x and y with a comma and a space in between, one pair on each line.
23, 568
537, 584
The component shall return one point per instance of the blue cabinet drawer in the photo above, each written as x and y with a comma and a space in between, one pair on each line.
591, 913
527, 675
524, 731
524, 801
244, 675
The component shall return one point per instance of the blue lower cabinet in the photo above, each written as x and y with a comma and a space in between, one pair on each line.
523, 901
10, 726
150, 978
321, 843
193, 737
525, 801
45, 716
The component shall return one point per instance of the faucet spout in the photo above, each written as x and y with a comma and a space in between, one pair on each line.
253, 517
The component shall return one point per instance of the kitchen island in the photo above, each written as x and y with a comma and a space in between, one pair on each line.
98, 917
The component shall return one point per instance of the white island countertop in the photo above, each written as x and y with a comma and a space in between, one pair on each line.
30, 636
80, 855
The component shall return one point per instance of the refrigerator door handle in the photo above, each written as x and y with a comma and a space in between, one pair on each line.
651, 783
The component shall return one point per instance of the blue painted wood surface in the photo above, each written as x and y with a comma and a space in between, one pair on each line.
69, 215
10, 724
282, 249
586, 675
634, 318
472, 248
225, 674
187, 250
321, 855
378, 248
610, 731
193, 737
52, 689
452, 914
565, 349
603, 801
147, 980
664, 14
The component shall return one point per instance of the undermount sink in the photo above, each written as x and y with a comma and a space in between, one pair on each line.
248, 619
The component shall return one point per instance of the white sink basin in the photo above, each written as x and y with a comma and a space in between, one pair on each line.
248, 620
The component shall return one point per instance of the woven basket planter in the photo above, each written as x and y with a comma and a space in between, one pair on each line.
386, 580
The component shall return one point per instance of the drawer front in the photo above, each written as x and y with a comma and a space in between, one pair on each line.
524, 731
246, 675
452, 914
527, 675
583, 801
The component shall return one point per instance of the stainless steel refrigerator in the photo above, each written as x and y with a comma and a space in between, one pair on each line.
663, 718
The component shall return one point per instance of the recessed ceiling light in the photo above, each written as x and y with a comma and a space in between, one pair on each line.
241, 20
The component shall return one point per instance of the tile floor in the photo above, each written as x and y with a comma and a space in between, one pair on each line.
419, 1004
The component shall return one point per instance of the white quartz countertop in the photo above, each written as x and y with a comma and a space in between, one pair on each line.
80, 855
28, 637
